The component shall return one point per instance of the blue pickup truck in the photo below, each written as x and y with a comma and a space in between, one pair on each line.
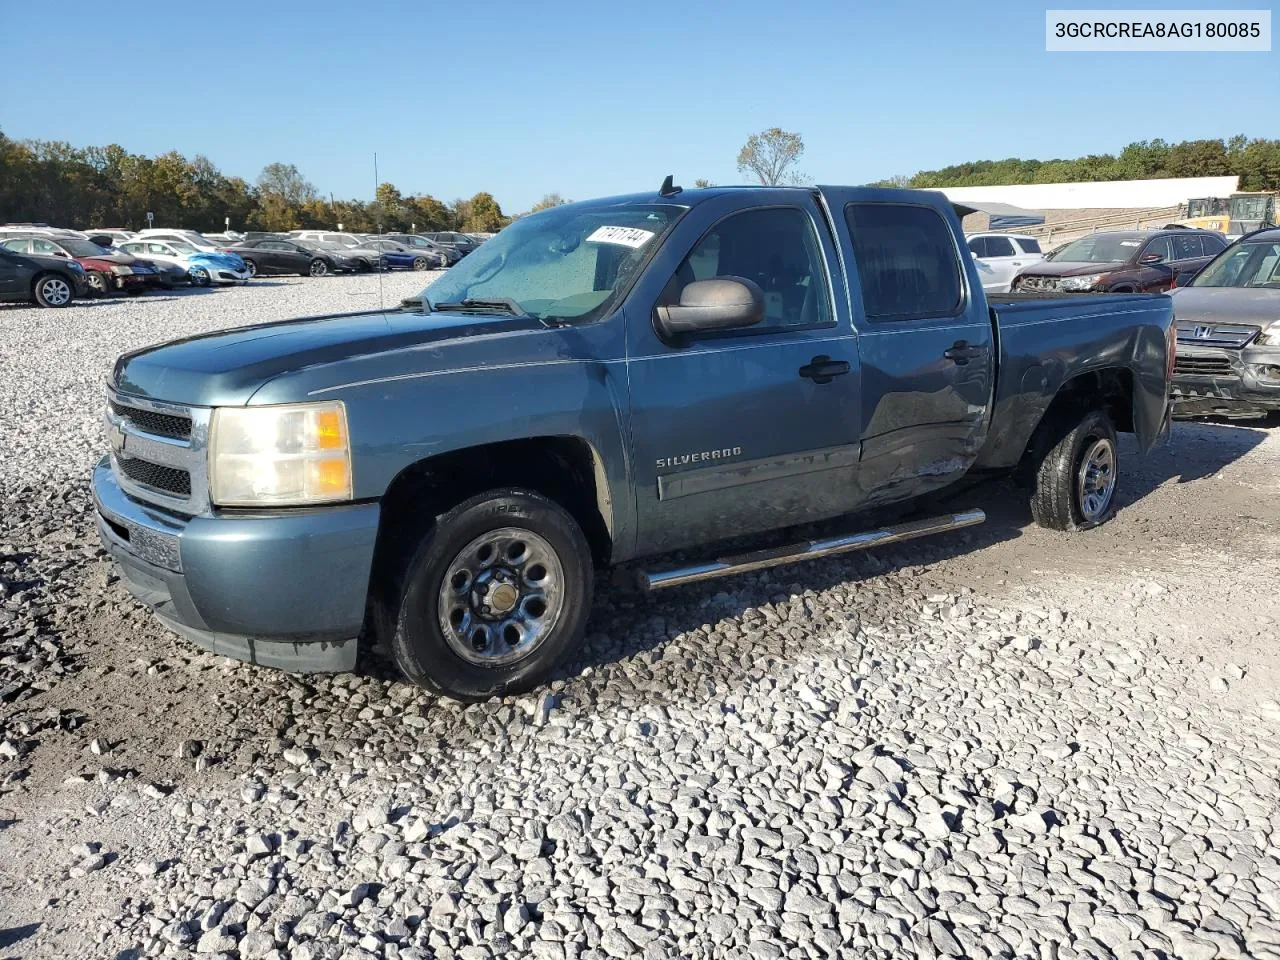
599, 385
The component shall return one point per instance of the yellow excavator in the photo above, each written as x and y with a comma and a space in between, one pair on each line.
1233, 216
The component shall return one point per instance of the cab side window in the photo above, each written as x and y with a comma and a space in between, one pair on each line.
907, 261
1159, 247
1000, 247
778, 249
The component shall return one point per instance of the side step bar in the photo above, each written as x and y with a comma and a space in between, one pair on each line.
808, 550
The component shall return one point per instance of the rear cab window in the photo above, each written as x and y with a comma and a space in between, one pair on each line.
907, 261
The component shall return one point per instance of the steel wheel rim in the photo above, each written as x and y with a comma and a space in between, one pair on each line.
1097, 479
56, 291
501, 597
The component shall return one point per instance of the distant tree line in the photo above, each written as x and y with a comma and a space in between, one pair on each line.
1255, 162
56, 183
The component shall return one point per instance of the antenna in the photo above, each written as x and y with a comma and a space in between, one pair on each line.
668, 188
378, 213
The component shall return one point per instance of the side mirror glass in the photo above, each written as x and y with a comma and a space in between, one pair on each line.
1151, 258
723, 303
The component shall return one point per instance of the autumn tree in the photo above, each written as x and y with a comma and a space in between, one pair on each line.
548, 201
483, 215
771, 155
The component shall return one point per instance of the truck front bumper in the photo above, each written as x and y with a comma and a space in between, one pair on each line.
282, 589
1234, 383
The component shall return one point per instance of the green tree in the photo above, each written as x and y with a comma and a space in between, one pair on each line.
286, 181
548, 201
483, 215
771, 155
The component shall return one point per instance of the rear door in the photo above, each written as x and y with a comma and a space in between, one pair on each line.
752, 429
11, 273
924, 341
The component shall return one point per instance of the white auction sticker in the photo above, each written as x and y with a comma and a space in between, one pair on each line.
626, 236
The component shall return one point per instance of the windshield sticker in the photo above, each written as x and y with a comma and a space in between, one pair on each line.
1129, 243
626, 236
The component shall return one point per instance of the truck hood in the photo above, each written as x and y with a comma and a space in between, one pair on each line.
227, 367
1254, 305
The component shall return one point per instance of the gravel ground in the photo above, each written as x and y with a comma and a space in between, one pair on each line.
1002, 743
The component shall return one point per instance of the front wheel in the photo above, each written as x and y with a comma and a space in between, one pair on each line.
1075, 484
497, 594
421, 263
251, 268
318, 268
52, 291
100, 283
200, 277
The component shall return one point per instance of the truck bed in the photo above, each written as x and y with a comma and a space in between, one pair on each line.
1043, 340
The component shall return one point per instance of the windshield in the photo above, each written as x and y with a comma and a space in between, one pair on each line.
80, 248
569, 263
198, 239
1244, 265
1099, 248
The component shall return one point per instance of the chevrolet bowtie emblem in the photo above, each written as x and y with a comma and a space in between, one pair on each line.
115, 436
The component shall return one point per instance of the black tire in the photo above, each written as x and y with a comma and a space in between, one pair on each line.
318, 268
362, 266
53, 290
1059, 496
419, 645
251, 266
421, 263
100, 284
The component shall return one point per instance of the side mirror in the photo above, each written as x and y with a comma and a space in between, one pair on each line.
1150, 258
724, 303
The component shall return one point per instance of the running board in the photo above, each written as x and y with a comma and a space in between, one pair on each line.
808, 550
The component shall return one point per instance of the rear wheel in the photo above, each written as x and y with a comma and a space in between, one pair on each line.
52, 291
498, 593
421, 263
318, 268
1075, 484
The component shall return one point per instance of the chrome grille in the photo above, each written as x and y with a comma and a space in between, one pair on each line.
1202, 366
1230, 335
150, 421
158, 451
157, 476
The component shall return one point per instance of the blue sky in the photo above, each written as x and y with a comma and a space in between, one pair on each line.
595, 98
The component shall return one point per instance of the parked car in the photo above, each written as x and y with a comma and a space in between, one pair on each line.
458, 241
42, 280
352, 246
467, 461
275, 256
1228, 323
448, 256
191, 237
201, 267
113, 235
1005, 254
106, 272
1120, 261
398, 256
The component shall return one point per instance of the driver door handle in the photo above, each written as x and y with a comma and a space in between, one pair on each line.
961, 353
822, 369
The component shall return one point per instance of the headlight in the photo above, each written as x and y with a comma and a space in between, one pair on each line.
279, 456
1270, 336
1085, 282
121, 270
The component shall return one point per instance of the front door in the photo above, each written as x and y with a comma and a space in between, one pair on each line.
924, 338
751, 429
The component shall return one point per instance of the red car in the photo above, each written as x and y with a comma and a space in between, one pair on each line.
107, 271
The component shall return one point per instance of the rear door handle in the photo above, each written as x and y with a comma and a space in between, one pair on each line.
822, 369
961, 353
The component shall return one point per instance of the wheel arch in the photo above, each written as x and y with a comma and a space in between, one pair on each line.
566, 469
1110, 388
